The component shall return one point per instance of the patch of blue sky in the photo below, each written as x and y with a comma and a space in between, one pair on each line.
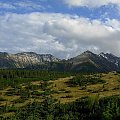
56, 6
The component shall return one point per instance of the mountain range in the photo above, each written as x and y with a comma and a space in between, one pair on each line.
87, 61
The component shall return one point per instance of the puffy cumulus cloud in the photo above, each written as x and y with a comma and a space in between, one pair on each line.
62, 35
90, 3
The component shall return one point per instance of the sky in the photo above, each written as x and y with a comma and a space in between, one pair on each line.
64, 28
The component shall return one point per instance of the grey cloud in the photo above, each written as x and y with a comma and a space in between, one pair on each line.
90, 3
61, 35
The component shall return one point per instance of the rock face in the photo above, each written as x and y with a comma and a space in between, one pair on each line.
111, 58
87, 61
22, 60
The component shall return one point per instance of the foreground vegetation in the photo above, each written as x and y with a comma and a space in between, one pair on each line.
45, 95
89, 108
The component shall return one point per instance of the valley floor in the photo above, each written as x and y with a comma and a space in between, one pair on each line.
15, 98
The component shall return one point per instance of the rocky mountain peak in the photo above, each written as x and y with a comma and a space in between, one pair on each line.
87, 54
85, 61
111, 58
24, 59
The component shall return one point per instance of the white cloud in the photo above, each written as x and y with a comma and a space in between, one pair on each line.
90, 3
59, 34
6, 6
28, 5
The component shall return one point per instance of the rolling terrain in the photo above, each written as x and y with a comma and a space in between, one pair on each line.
35, 87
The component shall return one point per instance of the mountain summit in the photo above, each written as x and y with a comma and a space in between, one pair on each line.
25, 59
87, 61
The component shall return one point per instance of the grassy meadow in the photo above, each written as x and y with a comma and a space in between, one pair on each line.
44, 95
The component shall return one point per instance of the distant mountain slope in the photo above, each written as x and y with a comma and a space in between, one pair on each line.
90, 61
111, 58
87, 61
22, 60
